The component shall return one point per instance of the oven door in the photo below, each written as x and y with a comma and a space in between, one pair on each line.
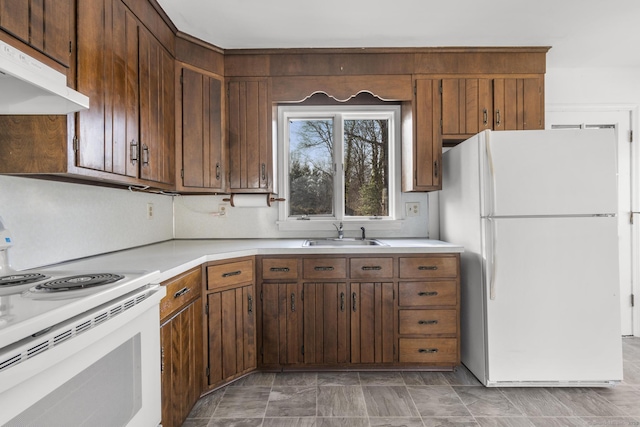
100, 368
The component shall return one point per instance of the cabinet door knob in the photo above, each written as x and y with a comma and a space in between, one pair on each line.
485, 117
427, 350
354, 303
427, 322
231, 273
250, 303
181, 292
427, 267
427, 294
133, 151
218, 171
342, 301
145, 155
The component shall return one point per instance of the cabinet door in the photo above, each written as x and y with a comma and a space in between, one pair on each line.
108, 73
467, 106
232, 345
427, 144
372, 323
281, 323
181, 367
42, 24
326, 327
157, 110
519, 104
202, 140
14, 18
250, 162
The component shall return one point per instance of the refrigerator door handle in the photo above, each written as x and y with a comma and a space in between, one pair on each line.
492, 260
492, 177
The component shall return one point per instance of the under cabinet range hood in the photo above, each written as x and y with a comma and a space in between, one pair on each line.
27, 86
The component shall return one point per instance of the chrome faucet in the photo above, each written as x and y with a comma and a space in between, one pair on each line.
363, 233
340, 231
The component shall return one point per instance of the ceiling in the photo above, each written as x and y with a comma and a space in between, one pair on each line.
582, 33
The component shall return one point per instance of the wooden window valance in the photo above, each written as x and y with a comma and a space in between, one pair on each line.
341, 88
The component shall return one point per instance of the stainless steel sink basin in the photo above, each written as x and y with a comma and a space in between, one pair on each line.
343, 242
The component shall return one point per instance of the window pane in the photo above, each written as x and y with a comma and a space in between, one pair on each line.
311, 167
366, 167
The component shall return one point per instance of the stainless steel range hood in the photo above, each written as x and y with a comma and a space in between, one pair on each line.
27, 86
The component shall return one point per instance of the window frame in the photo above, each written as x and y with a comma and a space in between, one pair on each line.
339, 113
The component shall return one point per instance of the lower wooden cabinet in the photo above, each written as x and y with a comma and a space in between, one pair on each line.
282, 322
230, 308
181, 347
326, 323
330, 312
231, 333
372, 325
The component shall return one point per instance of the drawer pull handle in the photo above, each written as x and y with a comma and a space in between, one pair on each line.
321, 268
427, 267
232, 273
353, 302
427, 322
181, 292
250, 303
427, 350
371, 267
280, 269
293, 302
342, 301
428, 294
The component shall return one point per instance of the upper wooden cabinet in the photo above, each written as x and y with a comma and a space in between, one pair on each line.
127, 135
250, 151
129, 78
471, 105
42, 24
422, 153
200, 148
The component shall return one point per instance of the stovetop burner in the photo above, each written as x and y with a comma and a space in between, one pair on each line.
21, 279
82, 281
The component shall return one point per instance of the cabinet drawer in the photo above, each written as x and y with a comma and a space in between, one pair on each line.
427, 322
233, 273
279, 268
428, 267
429, 350
324, 268
371, 268
180, 291
414, 294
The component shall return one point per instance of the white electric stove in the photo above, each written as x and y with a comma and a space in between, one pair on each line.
78, 347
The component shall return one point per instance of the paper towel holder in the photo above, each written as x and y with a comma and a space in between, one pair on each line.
269, 199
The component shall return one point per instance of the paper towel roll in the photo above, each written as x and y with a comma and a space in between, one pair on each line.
251, 200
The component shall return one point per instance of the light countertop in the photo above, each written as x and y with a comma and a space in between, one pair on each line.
174, 257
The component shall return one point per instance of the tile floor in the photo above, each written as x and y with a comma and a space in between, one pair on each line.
425, 399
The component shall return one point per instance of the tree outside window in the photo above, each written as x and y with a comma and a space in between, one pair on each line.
339, 164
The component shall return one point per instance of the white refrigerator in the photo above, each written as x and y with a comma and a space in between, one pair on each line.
536, 214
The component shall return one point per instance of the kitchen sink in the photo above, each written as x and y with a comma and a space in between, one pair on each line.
343, 242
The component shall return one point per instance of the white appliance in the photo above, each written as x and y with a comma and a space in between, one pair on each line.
79, 348
536, 214
29, 86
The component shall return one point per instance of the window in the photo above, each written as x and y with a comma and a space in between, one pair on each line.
339, 162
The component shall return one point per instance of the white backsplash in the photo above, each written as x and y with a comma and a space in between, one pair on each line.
51, 222
195, 217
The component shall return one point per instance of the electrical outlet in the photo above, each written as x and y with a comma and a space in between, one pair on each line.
412, 208
222, 211
149, 210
